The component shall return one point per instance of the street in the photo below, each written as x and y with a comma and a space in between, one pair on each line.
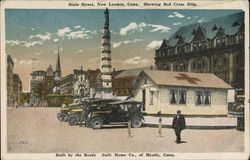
37, 130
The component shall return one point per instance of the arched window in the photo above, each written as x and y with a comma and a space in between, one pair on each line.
198, 64
220, 61
165, 67
180, 66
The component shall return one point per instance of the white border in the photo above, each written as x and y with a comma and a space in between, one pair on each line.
223, 4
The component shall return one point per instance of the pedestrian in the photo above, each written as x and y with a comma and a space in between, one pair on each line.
178, 125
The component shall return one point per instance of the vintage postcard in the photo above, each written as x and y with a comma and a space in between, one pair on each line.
106, 79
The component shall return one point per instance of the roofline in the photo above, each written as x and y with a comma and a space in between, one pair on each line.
188, 86
200, 24
195, 86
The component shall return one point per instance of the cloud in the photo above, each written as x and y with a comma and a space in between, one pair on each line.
68, 33
188, 17
117, 44
132, 26
79, 51
176, 14
14, 42
56, 40
32, 43
77, 27
38, 53
136, 60
23, 43
153, 44
62, 32
139, 27
33, 40
177, 23
77, 34
43, 37
111, 31
171, 16
25, 62
159, 28
199, 21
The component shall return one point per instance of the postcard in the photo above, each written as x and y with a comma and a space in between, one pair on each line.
124, 80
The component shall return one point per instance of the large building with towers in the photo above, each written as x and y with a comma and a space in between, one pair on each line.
216, 46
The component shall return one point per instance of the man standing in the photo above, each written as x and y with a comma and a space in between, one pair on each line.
178, 125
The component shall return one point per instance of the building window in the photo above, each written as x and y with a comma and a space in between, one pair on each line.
199, 98
203, 98
173, 96
207, 96
182, 96
177, 96
165, 67
180, 66
151, 97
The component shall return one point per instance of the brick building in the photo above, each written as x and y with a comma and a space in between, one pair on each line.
216, 46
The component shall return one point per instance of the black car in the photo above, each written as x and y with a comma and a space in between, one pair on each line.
66, 111
78, 115
115, 113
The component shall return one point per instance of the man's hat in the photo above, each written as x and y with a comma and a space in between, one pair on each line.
178, 111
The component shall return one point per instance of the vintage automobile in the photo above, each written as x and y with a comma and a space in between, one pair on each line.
63, 115
118, 112
77, 115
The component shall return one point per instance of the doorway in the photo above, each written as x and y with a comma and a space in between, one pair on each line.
143, 99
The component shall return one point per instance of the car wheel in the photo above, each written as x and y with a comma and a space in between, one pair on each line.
136, 122
61, 117
96, 123
73, 120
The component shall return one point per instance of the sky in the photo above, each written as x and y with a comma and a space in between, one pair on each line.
135, 34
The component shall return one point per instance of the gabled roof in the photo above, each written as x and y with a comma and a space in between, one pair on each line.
180, 40
220, 32
200, 34
164, 44
131, 72
186, 79
225, 22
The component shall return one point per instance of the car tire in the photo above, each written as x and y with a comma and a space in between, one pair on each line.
136, 122
62, 117
96, 123
73, 120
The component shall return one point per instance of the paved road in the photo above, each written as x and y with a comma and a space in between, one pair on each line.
36, 130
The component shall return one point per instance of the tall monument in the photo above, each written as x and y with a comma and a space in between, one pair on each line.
106, 73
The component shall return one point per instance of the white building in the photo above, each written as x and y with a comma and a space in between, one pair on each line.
192, 93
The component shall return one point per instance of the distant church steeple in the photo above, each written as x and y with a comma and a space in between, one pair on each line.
58, 66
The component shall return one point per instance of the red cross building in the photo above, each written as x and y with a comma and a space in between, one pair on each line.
187, 78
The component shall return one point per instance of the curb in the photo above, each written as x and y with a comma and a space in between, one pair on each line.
192, 127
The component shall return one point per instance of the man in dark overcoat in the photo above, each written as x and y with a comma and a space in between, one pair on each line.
178, 125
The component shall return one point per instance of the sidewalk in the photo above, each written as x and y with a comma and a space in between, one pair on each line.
195, 122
